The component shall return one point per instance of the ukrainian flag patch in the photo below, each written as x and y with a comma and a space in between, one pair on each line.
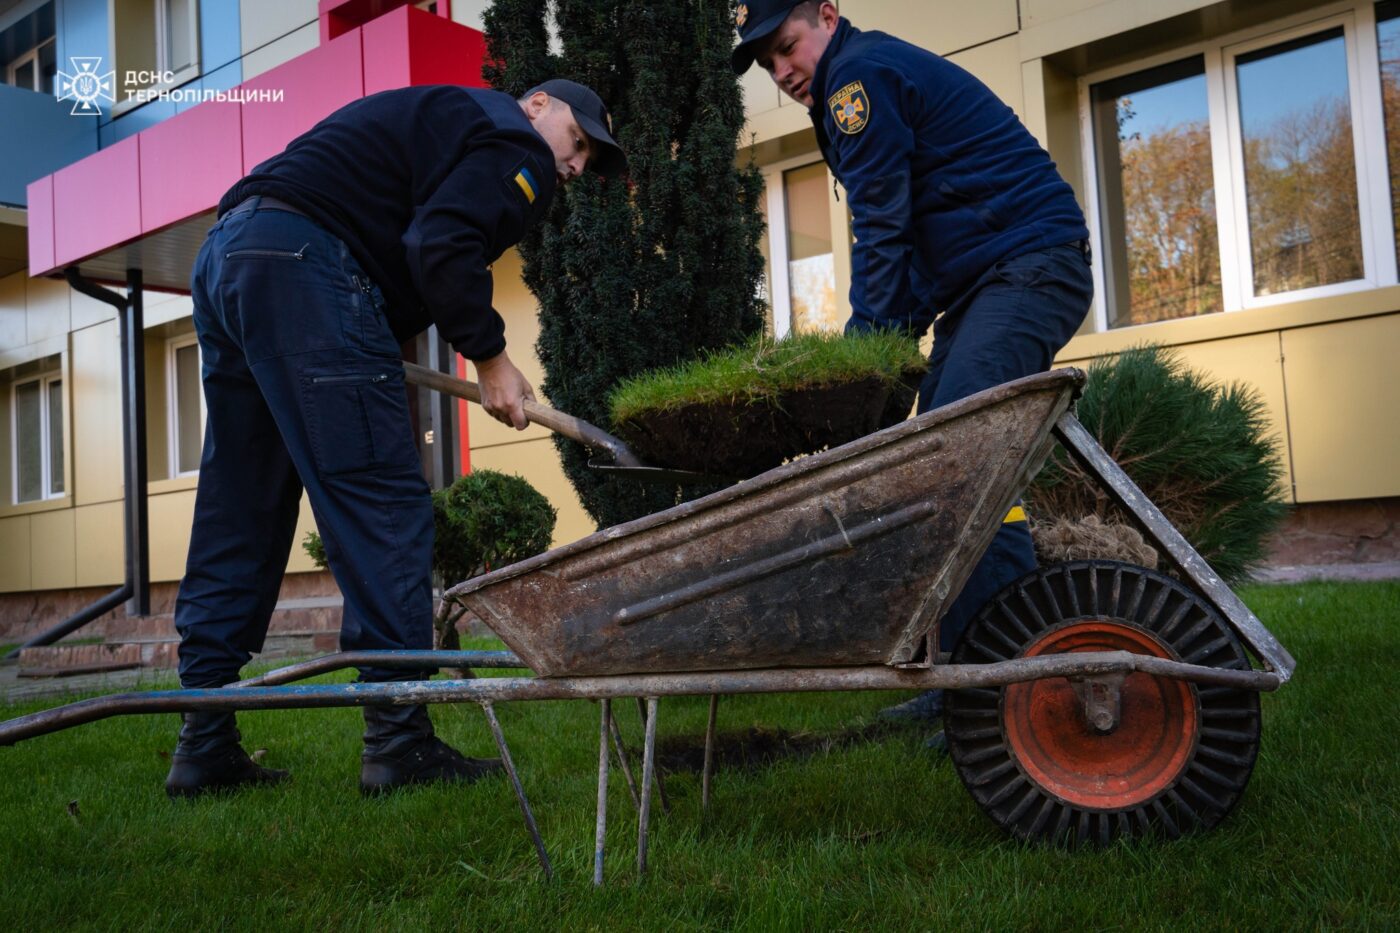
526, 182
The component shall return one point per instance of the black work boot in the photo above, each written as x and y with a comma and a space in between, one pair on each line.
208, 758
401, 749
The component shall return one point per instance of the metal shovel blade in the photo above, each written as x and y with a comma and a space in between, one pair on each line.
616, 457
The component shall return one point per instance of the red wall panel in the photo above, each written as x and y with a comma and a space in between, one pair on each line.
97, 202
409, 46
313, 86
188, 162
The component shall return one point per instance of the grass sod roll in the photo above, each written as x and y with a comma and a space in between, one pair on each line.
747, 409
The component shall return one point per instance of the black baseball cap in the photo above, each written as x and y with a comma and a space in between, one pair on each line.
756, 20
592, 115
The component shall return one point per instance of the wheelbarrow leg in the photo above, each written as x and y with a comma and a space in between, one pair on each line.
709, 769
648, 773
622, 760
602, 828
519, 790
642, 711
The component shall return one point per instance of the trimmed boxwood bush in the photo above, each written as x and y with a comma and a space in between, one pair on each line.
483, 521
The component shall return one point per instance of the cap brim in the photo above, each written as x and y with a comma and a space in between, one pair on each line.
609, 161
744, 52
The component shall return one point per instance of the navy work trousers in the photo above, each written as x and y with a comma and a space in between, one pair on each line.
1009, 324
304, 388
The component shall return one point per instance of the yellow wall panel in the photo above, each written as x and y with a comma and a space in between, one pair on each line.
941, 26
298, 42
264, 22
1255, 361
53, 556
470, 12
12, 311
99, 544
997, 65
521, 313
760, 93
14, 554
95, 390
306, 522
1342, 400
49, 310
171, 516
538, 462
85, 311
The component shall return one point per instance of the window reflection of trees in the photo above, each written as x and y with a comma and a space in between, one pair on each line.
1389, 38
1300, 178
1172, 247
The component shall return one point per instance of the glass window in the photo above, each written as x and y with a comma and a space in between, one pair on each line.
29, 446
1157, 194
811, 267
177, 35
1388, 35
186, 408
1300, 164
37, 433
55, 434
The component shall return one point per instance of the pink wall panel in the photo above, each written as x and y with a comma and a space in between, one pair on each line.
97, 202
386, 50
40, 194
188, 162
313, 86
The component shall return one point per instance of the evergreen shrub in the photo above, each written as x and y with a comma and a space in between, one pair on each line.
649, 270
1201, 452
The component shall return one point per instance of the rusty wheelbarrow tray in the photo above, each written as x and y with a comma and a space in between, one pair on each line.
844, 558
1092, 700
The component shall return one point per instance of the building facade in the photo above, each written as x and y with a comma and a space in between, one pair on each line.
1237, 161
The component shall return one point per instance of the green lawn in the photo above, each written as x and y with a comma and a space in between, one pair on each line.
875, 834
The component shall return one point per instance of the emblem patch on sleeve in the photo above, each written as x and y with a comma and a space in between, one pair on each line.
526, 183
850, 108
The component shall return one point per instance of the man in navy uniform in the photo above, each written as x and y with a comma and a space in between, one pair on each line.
960, 220
381, 220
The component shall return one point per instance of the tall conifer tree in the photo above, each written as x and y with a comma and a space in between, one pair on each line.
654, 268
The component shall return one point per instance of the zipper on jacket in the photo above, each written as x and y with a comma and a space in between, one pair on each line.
271, 253
371, 378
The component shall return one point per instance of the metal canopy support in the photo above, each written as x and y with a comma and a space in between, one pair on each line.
136, 590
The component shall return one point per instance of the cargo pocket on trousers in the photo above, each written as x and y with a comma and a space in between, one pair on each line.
353, 419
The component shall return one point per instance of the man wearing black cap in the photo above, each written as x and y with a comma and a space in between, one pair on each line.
960, 220
381, 220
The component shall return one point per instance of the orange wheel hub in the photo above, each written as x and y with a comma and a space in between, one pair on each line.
1048, 733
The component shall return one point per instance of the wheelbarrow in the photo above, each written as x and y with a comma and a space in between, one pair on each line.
1089, 701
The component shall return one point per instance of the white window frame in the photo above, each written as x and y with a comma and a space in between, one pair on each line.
780, 291
172, 407
162, 44
32, 55
1377, 227
46, 428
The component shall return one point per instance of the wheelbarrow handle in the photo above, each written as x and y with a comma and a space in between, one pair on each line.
575, 429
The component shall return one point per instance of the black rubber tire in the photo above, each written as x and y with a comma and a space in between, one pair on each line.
1226, 741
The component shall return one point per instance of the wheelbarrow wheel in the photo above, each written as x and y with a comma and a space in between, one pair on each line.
1180, 755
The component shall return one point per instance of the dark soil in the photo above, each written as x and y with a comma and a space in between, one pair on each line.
740, 440
758, 747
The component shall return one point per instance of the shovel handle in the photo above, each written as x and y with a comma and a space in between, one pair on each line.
575, 429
